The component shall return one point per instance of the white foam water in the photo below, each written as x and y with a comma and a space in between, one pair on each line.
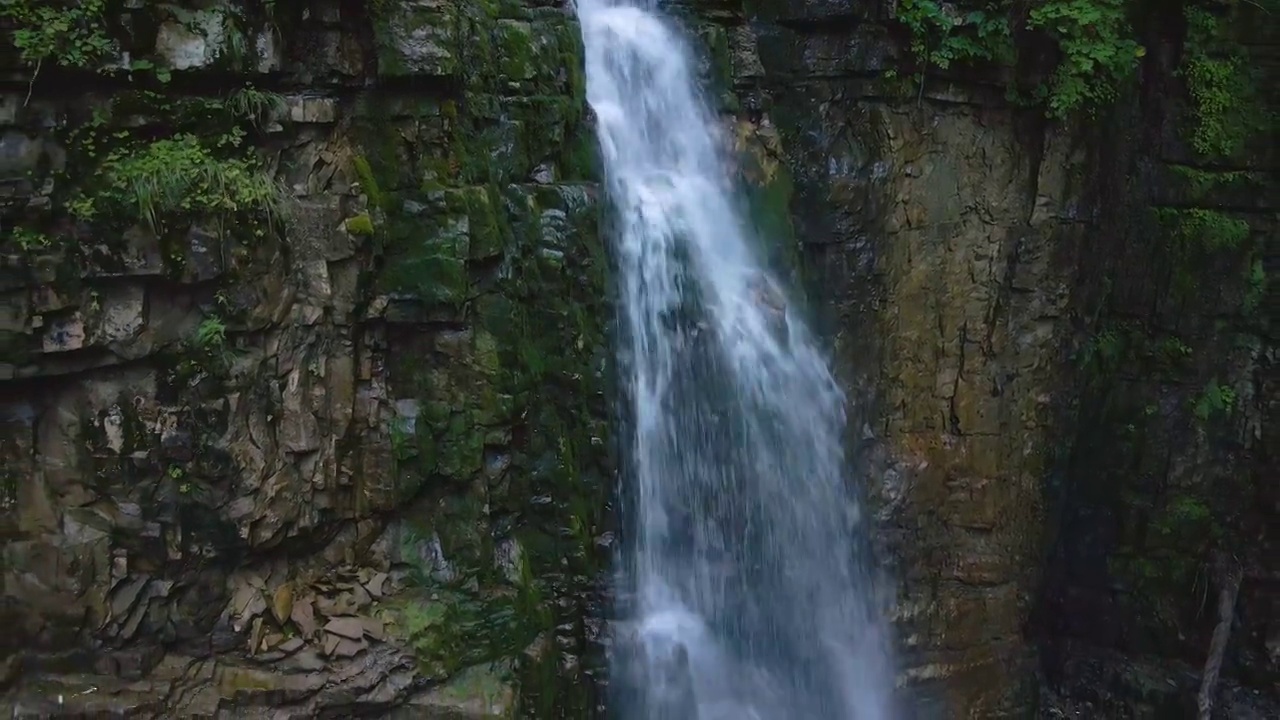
750, 595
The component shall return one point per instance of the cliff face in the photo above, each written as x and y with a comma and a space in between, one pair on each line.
1055, 335
1167, 506
939, 236
303, 399
305, 404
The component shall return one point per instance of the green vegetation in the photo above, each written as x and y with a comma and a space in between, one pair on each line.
1218, 81
1216, 398
473, 615
211, 333
27, 240
254, 104
1129, 345
198, 171
1095, 44
72, 34
1168, 388
141, 164
1097, 48
1204, 228
180, 179
942, 35
360, 224
1096, 52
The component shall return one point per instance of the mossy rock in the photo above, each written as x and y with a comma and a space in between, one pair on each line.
415, 41
480, 692
360, 224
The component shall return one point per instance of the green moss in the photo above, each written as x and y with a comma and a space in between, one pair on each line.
431, 29
517, 60
360, 224
579, 157
433, 270
1204, 228
521, 268
489, 683
487, 231
72, 35
369, 183
476, 617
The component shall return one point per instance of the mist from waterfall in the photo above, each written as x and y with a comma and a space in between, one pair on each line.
748, 593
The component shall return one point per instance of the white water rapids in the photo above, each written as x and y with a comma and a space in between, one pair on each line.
748, 591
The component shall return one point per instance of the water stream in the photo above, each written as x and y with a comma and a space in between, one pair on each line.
748, 595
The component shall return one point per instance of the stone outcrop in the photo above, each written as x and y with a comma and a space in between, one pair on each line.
356, 463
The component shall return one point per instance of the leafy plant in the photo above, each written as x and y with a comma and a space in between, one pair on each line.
1104, 350
28, 240
1216, 398
942, 35
1201, 182
181, 177
1205, 228
1098, 51
142, 65
211, 333
1219, 85
70, 34
255, 104
1093, 37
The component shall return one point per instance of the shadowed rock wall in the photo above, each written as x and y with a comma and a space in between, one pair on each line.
325, 429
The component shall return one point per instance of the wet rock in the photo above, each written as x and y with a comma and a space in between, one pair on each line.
415, 40
347, 627
20, 154
232, 500
204, 255
303, 616
187, 46
282, 603
64, 334
476, 693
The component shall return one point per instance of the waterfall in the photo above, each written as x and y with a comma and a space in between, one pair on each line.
749, 596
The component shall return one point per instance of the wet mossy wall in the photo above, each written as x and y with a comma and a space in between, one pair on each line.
1167, 484
495, 273
347, 418
1055, 332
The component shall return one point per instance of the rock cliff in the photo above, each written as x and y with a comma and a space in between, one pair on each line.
1055, 333
305, 396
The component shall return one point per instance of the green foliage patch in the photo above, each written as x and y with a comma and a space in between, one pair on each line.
179, 178
1094, 40
1096, 52
72, 34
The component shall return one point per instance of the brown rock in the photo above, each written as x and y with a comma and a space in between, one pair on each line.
282, 603
347, 627
375, 584
303, 614
349, 648
373, 628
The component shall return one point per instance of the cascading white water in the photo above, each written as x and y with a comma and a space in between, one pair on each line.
749, 595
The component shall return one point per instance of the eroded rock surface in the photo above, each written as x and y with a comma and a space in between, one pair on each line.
1050, 519
351, 465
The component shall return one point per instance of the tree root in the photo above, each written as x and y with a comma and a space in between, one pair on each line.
1229, 576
